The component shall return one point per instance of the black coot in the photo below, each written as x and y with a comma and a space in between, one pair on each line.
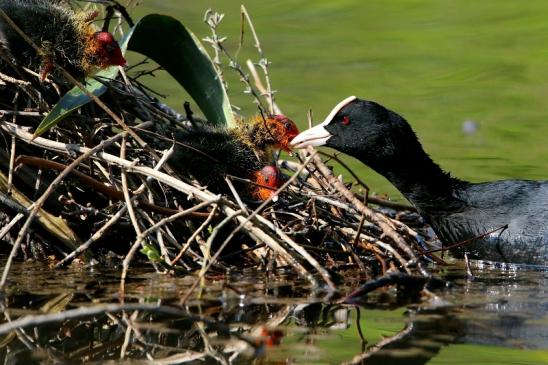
456, 209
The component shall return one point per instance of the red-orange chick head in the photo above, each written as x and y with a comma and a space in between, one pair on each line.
106, 51
270, 337
284, 129
266, 181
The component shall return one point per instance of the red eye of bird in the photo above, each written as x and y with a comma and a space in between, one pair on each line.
346, 120
287, 125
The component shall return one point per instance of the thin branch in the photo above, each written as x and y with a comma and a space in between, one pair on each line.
263, 63
325, 275
195, 234
360, 359
77, 83
374, 217
35, 207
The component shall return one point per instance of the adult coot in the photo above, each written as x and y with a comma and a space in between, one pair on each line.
457, 210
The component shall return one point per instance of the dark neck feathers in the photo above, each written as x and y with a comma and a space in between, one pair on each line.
424, 183
419, 178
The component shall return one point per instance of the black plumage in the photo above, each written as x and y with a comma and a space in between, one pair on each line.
210, 154
63, 35
514, 211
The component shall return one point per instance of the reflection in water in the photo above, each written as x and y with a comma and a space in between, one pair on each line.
503, 306
277, 321
512, 303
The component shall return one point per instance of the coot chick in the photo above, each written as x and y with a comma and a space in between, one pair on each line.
265, 182
63, 35
210, 154
267, 134
457, 210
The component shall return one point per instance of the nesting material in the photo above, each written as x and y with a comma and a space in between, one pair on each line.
108, 192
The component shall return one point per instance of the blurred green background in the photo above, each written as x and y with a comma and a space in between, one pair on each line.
439, 63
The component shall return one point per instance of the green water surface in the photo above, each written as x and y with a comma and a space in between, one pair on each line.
438, 63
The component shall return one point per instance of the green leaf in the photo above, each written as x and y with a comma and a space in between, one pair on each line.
174, 47
151, 252
75, 97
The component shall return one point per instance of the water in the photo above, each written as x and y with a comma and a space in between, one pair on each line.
472, 80
438, 63
498, 317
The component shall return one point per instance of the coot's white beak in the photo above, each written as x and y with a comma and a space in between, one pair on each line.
318, 135
315, 136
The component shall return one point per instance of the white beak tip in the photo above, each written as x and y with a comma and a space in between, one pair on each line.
315, 136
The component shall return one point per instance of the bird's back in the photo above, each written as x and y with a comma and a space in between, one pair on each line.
519, 205
210, 154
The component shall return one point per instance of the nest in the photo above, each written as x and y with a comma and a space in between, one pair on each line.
92, 185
